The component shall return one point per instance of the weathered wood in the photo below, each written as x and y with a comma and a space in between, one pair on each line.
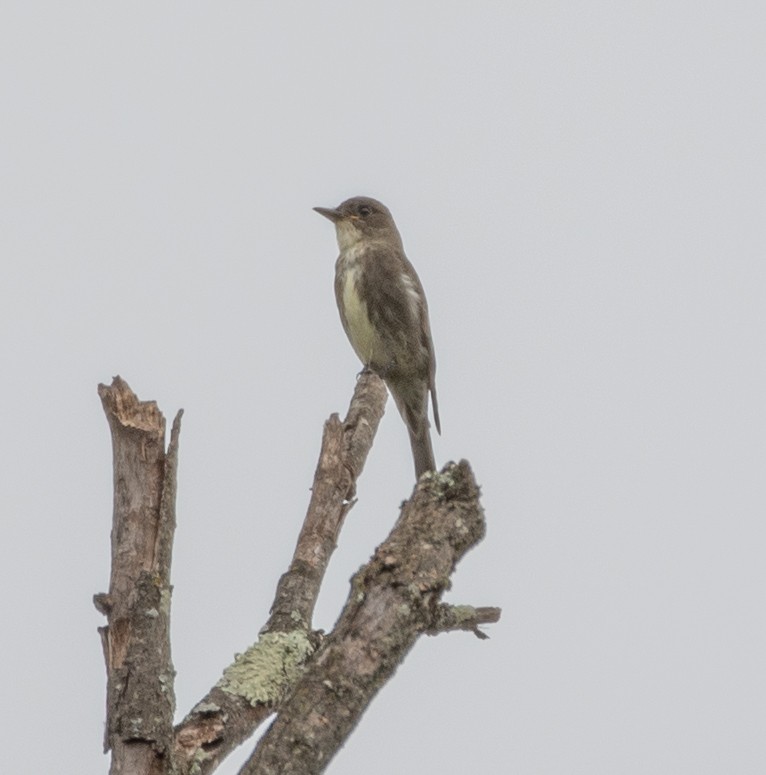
394, 599
252, 688
319, 687
136, 639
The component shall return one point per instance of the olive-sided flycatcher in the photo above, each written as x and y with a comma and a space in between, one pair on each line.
384, 313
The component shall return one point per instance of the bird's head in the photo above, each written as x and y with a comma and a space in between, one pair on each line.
362, 218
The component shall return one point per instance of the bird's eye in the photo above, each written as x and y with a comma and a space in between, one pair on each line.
365, 210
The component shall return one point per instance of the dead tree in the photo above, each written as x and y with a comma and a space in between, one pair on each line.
318, 685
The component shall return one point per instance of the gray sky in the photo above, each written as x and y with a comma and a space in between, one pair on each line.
581, 188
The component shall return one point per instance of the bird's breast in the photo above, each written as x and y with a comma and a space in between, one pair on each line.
355, 315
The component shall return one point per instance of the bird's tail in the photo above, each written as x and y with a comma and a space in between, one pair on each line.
411, 398
422, 451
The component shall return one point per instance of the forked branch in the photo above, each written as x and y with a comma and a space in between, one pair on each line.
319, 687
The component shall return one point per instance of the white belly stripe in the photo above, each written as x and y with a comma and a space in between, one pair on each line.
360, 330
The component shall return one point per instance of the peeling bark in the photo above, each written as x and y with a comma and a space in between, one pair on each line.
318, 686
136, 639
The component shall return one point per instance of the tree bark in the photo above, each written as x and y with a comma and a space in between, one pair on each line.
393, 600
319, 686
252, 687
136, 639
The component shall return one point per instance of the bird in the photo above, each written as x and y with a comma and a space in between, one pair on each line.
384, 313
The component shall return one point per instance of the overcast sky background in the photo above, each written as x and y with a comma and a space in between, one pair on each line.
581, 189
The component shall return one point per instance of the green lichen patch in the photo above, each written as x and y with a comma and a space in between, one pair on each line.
268, 668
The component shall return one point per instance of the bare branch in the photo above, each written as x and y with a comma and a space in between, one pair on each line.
253, 686
319, 687
448, 618
393, 600
341, 460
136, 639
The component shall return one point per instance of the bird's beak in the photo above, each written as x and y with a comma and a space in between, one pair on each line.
330, 213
